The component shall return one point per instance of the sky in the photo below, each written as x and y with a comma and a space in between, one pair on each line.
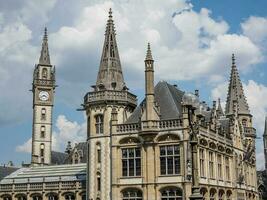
192, 43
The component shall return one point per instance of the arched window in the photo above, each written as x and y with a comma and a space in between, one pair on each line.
171, 194
37, 197
132, 194
43, 114
221, 195
52, 196
88, 127
229, 195
98, 149
99, 124
21, 197
44, 73
42, 131
98, 179
212, 194
69, 196
244, 122
204, 193
7, 197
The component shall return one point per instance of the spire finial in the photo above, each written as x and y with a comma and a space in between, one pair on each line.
149, 53
110, 13
233, 59
44, 57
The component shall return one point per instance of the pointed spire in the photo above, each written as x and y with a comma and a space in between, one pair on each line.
219, 110
149, 53
110, 76
236, 93
265, 128
44, 57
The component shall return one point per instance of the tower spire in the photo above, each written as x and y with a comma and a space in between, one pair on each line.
236, 93
110, 76
44, 57
219, 108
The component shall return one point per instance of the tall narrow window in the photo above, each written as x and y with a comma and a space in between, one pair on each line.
202, 162
131, 162
211, 165
227, 168
170, 160
99, 155
42, 131
98, 183
42, 149
43, 114
99, 124
219, 163
44, 73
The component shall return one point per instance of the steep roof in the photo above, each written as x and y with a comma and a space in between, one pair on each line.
58, 158
110, 75
44, 57
236, 93
5, 171
168, 98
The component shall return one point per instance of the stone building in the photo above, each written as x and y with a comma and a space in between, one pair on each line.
143, 152
262, 175
140, 152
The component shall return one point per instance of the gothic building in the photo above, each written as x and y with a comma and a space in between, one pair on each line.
139, 152
262, 175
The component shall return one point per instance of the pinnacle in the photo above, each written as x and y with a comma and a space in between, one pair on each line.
110, 13
233, 59
44, 57
149, 53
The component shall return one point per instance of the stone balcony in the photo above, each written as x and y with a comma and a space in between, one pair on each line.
147, 125
110, 95
44, 82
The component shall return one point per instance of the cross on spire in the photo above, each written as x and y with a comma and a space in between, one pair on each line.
44, 57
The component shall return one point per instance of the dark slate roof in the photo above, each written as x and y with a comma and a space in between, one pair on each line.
82, 146
5, 171
169, 99
58, 158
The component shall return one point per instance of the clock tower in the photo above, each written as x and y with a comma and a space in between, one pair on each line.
43, 88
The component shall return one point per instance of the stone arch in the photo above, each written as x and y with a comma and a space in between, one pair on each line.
213, 194
168, 137
221, 194
52, 196
68, 195
129, 140
131, 192
36, 196
6, 197
204, 192
229, 194
21, 196
171, 192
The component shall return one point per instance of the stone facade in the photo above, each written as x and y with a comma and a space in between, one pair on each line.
144, 152
43, 88
140, 152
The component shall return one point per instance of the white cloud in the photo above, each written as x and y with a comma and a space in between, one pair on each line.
65, 130
255, 28
26, 147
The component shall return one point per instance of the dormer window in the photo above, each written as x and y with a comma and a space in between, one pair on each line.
99, 124
244, 123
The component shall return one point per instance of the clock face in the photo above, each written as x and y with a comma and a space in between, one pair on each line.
43, 96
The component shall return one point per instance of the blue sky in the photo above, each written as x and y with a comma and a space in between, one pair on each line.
192, 42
